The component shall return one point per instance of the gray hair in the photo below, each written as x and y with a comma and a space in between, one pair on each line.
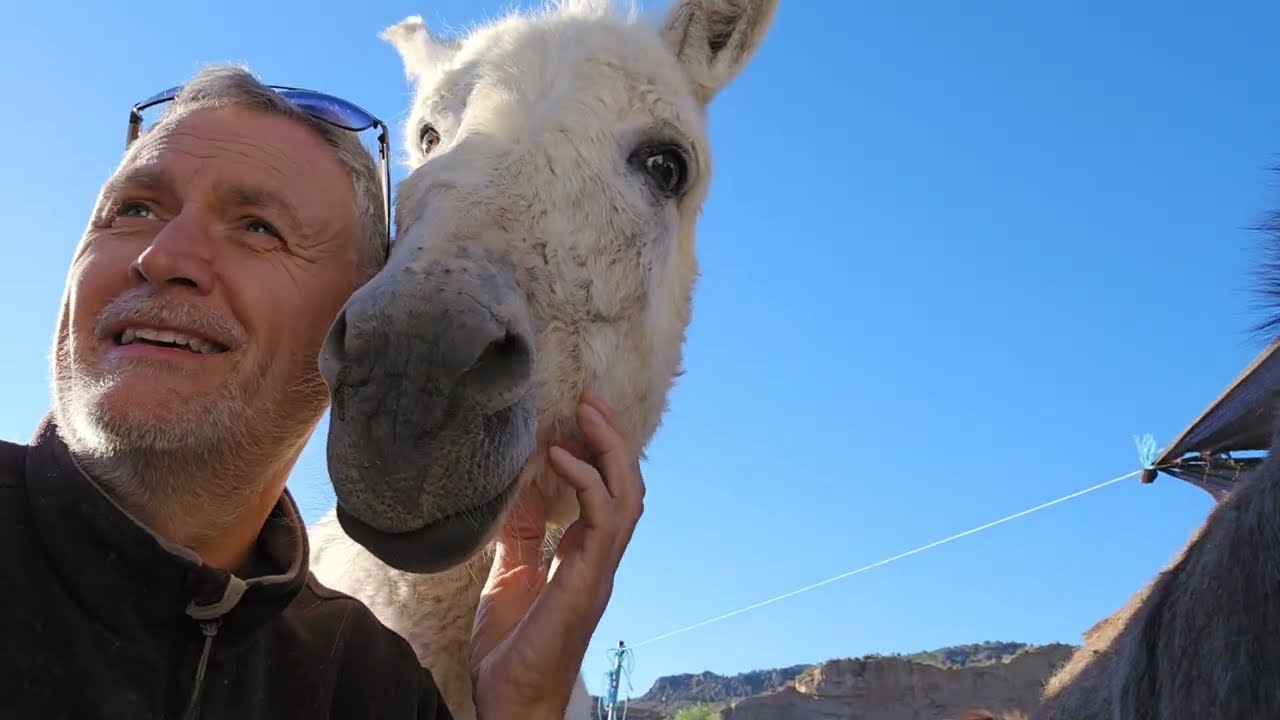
222, 85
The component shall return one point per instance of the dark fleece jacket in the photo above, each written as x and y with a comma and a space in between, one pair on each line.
104, 619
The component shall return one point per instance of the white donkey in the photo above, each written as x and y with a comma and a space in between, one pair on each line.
545, 244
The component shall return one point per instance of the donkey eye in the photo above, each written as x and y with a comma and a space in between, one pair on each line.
665, 166
428, 138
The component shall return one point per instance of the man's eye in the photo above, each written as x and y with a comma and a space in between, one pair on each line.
134, 209
261, 226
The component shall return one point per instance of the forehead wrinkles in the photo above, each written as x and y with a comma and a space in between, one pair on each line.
259, 174
210, 146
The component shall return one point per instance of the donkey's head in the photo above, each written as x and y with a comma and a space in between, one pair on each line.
544, 245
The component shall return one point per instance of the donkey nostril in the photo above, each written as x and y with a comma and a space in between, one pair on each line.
337, 345
333, 353
500, 372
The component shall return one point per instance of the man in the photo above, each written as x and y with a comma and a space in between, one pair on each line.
153, 564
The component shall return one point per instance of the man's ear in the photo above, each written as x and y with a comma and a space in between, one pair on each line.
714, 39
421, 53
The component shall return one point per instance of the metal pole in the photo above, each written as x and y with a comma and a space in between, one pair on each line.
615, 676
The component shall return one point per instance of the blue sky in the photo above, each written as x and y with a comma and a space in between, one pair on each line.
956, 255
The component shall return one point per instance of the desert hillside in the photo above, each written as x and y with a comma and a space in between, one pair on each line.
934, 685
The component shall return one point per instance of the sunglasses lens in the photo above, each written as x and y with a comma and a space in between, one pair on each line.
331, 109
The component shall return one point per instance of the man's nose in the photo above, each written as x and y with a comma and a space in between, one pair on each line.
180, 254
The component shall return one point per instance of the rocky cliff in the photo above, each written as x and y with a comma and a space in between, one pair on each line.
936, 685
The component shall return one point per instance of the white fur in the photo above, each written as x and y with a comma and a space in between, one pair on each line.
535, 112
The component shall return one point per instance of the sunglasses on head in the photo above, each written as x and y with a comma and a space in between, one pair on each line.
333, 110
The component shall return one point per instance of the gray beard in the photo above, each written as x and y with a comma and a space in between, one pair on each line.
200, 467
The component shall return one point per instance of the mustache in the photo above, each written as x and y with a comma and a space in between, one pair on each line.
145, 308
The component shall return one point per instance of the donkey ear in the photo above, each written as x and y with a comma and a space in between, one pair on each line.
714, 39
421, 52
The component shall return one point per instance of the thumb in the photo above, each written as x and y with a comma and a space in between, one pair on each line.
523, 530
516, 577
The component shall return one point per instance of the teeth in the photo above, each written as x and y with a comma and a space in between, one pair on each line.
194, 344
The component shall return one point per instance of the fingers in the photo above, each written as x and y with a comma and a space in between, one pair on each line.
618, 461
530, 642
597, 516
610, 498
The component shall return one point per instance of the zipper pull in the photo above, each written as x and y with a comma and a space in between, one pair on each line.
210, 630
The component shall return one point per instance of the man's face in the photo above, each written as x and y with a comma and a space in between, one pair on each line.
198, 299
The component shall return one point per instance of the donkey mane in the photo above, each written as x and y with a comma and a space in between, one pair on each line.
1266, 276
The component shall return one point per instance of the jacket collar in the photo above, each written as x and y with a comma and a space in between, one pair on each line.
135, 582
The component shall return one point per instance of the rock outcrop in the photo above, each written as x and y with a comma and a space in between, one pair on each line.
938, 685
892, 688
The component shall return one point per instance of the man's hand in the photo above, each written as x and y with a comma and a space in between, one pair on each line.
534, 623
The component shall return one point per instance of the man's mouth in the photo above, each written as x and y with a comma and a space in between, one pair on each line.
168, 339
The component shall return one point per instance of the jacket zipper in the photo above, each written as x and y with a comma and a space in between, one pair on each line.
210, 630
